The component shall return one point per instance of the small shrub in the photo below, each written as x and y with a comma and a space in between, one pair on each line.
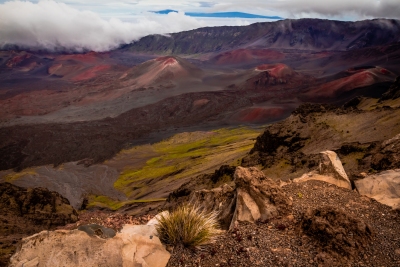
188, 225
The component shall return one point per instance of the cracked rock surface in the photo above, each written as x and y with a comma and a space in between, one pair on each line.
135, 245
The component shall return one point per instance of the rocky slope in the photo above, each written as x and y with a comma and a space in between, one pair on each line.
302, 34
330, 226
301, 223
359, 132
24, 212
311, 223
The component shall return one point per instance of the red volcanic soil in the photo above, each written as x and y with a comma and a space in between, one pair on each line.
79, 67
91, 73
15, 61
247, 55
259, 115
91, 57
200, 102
167, 60
276, 70
276, 77
162, 71
358, 78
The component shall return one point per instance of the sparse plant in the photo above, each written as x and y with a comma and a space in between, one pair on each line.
188, 225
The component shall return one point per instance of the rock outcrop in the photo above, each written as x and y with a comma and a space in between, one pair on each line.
388, 156
135, 245
384, 187
38, 205
24, 212
254, 198
330, 170
258, 198
393, 92
221, 199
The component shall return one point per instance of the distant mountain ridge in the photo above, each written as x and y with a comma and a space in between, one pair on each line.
219, 14
301, 34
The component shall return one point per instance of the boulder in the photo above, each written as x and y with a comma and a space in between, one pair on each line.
221, 199
135, 245
384, 187
255, 197
330, 170
388, 156
258, 197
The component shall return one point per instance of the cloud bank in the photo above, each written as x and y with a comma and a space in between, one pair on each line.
57, 26
358, 9
52, 25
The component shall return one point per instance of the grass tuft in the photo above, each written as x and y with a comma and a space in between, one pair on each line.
188, 225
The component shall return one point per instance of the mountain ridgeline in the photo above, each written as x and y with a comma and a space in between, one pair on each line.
302, 34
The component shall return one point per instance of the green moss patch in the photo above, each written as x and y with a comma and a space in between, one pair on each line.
185, 155
106, 202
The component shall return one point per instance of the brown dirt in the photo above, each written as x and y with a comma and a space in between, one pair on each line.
330, 226
111, 220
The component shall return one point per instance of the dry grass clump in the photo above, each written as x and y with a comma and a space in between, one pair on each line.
188, 225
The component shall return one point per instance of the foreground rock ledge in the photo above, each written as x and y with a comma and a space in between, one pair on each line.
135, 245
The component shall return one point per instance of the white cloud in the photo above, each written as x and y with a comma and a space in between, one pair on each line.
101, 25
49, 24
356, 9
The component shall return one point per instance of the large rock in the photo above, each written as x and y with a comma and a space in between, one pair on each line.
24, 212
388, 156
258, 197
135, 245
330, 170
255, 197
384, 187
38, 205
221, 199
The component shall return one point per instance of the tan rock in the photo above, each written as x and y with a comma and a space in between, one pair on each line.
330, 170
255, 197
258, 197
135, 245
31, 263
221, 199
330, 164
384, 187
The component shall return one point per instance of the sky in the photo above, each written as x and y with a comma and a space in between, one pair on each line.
102, 25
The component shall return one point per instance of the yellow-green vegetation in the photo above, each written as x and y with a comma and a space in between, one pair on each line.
17, 175
350, 161
188, 225
279, 170
106, 202
185, 155
369, 104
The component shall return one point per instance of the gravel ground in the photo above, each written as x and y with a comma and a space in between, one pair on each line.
107, 219
356, 231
